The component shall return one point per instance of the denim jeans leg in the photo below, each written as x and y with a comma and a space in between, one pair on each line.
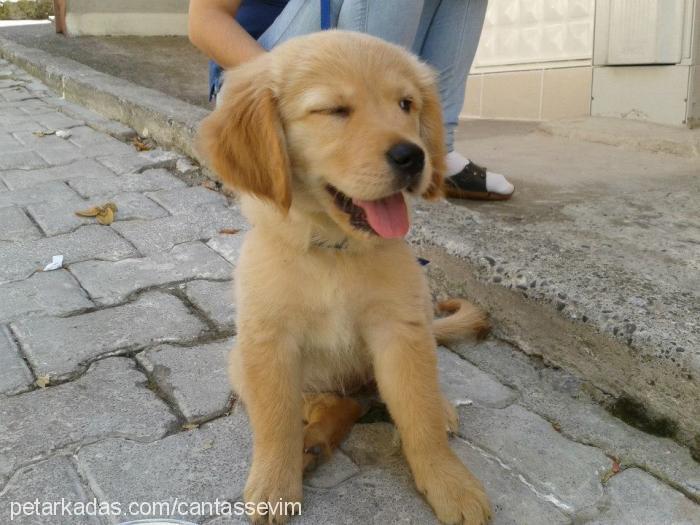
447, 40
395, 21
299, 17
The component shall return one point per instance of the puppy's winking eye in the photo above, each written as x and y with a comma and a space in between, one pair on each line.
336, 111
406, 104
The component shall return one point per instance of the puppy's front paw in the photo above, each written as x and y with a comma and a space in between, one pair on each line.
275, 495
453, 492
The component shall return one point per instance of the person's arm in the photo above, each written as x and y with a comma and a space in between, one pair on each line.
213, 29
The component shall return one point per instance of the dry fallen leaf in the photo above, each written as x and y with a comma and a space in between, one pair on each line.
43, 381
616, 466
140, 145
229, 231
106, 217
104, 214
614, 470
44, 133
212, 185
90, 212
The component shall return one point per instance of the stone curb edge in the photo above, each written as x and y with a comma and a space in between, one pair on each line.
169, 121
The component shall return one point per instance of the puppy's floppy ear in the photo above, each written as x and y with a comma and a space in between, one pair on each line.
432, 132
243, 139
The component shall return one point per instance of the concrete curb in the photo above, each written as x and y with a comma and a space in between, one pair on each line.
169, 121
633, 134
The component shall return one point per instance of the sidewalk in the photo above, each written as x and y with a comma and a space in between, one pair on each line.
128, 343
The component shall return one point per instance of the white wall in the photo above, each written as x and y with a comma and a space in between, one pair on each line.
126, 17
530, 34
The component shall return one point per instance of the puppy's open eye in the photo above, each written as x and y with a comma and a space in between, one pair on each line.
406, 104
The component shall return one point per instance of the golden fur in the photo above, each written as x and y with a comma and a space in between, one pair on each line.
324, 307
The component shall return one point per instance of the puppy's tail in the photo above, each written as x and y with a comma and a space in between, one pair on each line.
464, 320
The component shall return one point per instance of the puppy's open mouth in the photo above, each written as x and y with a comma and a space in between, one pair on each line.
386, 217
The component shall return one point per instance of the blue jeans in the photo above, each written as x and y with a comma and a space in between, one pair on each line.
444, 33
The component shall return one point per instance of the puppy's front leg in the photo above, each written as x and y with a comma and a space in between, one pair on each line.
270, 385
406, 372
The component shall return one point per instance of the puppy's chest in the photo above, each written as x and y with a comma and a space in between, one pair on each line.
333, 323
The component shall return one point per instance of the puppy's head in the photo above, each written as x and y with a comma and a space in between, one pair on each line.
337, 123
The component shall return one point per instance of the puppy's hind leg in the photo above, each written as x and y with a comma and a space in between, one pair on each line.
328, 419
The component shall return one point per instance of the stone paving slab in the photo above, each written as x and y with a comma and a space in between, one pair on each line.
96, 121
32, 140
20, 260
44, 293
33, 106
53, 149
9, 143
376, 495
16, 226
58, 347
111, 399
194, 379
377, 447
562, 399
18, 179
14, 374
20, 122
464, 384
156, 158
162, 234
46, 481
635, 497
52, 191
148, 180
566, 472
513, 501
61, 217
22, 160
333, 472
15, 94
56, 121
112, 282
203, 464
215, 299
187, 200
228, 246
95, 143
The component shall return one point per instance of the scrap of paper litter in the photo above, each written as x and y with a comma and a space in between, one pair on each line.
55, 264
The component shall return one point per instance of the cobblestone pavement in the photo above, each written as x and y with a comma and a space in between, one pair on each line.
112, 382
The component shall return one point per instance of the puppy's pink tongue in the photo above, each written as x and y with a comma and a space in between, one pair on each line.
388, 216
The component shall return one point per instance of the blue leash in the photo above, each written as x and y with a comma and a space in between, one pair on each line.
325, 14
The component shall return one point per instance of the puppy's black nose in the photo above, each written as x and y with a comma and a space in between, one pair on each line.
407, 160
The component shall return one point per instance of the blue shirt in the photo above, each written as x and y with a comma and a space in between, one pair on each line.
255, 16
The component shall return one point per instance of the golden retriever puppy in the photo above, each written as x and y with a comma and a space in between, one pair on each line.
325, 137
